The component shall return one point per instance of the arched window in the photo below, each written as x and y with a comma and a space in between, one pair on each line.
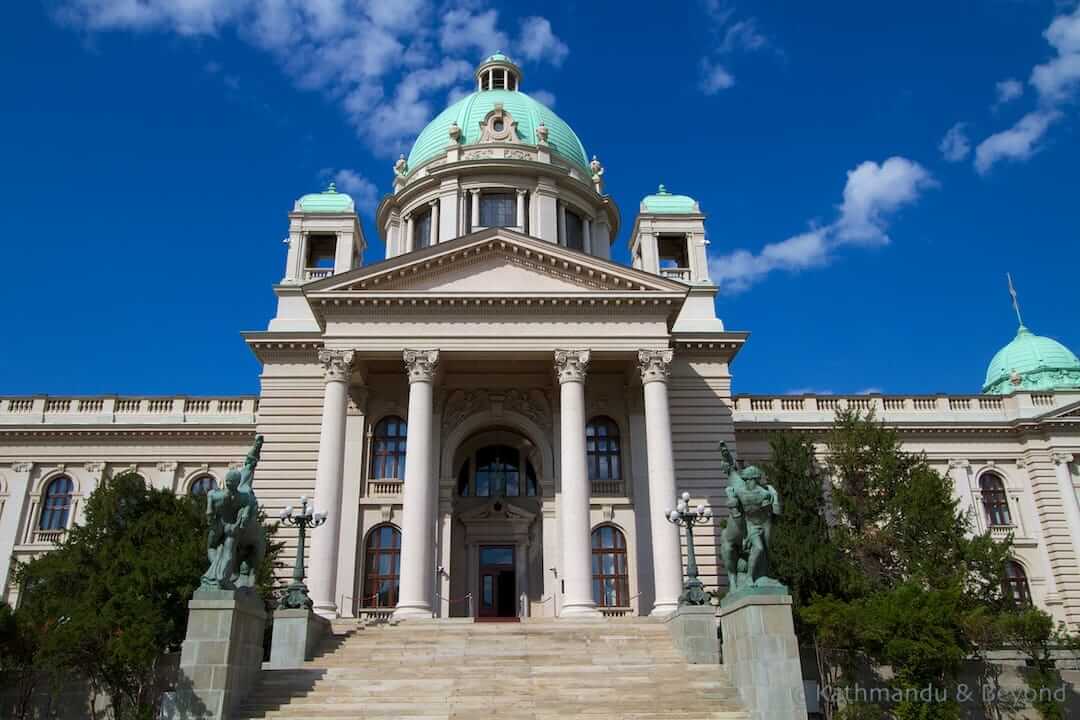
388, 449
497, 471
602, 450
202, 485
611, 579
57, 505
995, 501
382, 567
1015, 584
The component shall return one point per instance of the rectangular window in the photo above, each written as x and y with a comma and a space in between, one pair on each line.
575, 231
422, 231
498, 210
320, 251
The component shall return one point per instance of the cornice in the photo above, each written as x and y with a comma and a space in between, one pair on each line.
186, 432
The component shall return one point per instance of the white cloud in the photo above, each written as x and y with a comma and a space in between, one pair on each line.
1017, 143
463, 29
1008, 90
955, 146
735, 36
1058, 79
387, 66
715, 77
874, 191
872, 194
1056, 83
538, 42
364, 193
544, 97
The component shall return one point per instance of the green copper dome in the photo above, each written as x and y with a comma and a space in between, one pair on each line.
1034, 363
664, 203
471, 110
328, 201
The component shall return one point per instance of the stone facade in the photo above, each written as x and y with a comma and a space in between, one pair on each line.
474, 410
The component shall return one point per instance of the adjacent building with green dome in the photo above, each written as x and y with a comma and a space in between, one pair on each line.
497, 406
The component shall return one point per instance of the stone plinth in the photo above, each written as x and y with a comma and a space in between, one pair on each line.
221, 657
693, 630
761, 655
296, 635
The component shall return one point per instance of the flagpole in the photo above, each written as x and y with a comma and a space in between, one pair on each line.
1015, 302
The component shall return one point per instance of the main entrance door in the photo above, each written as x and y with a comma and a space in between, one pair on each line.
498, 590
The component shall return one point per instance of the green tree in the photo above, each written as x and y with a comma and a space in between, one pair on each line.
19, 645
117, 589
803, 555
915, 572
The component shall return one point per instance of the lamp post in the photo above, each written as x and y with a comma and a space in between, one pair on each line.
693, 589
296, 598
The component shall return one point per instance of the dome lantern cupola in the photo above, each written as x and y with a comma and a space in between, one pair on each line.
498, 72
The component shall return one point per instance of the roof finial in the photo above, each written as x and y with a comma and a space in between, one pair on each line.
331, 188
662, 190
1015, 303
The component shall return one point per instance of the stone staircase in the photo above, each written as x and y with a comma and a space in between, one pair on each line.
539, 669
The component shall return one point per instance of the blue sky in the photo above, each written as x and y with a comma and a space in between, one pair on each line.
870, 171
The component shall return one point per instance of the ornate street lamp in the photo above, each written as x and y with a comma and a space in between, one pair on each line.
296, 598
693, 589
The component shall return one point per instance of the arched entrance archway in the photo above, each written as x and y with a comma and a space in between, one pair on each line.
496, 554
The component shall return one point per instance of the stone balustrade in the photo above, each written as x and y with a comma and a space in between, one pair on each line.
53, 410
900, 408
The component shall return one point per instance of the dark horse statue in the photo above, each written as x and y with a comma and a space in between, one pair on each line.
236, 541
744, 543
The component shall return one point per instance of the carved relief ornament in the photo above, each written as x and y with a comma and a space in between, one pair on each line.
421, 364
571, 365
498, 126
655, 365
337, 364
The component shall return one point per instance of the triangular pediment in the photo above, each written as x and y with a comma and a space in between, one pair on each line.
496, 261
1068, 412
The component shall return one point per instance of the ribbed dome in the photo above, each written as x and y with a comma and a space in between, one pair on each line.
471, 110
328, 201
1032, 362
664, 203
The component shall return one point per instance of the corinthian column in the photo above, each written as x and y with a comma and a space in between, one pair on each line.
655, 366
420, 492
1068, 497
337, 367
574, 505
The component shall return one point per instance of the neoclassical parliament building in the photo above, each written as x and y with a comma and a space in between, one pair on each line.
497, 415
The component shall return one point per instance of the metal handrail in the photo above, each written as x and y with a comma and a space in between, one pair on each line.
467, 597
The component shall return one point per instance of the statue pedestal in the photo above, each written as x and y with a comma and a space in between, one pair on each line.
296, 635
222, 654
761, 654
693, 629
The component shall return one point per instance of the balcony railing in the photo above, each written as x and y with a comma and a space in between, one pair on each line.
1000, 532
45, 409
389, 487
608, 488
616, 611
48, 537
680, 274
981, 407
318, 273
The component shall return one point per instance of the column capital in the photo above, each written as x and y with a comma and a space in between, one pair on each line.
1061, 458
337, 364
522, 191
571, 365
420, 364
655, 365
433, 203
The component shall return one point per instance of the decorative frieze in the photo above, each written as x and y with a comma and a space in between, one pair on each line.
571, 365
337, 364
655, 365
421, 364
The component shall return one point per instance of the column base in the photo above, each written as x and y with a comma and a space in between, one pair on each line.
326, 610
665, 608
580, 610
417, 611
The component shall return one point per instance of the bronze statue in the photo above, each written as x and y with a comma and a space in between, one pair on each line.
236, 541
744, 544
